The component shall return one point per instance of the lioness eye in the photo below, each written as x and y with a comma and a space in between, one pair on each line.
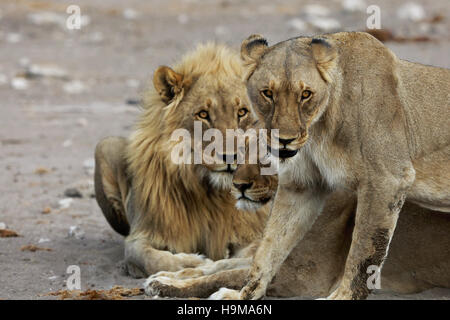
203, 114
306, 94
242, 112
268, 94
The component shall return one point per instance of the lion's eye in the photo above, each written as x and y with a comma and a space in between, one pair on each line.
242, 112
268, 94
203, 114
306, 94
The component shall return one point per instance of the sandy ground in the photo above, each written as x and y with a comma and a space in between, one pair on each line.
49, 124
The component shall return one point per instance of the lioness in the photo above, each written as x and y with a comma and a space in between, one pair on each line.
169, 211
419, 255
350, 115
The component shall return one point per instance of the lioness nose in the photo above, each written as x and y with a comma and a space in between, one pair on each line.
227, 158
285, 142
243, 186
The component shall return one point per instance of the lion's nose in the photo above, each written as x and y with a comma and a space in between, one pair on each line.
227, 158
285, 142
243, 186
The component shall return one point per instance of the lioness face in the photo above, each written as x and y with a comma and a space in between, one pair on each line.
211, 102
251, 189
288, 87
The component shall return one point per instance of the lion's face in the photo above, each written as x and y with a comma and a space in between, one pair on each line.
288, 86
251, 189
207, 101
218, 105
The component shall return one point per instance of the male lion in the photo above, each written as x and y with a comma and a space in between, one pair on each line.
351, 115
169, 211
419, 255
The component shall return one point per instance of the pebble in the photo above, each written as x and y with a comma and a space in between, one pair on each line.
325, 24
46, 70
89, 165
297, 24
411, 11
76, 232
43, 240
65, 203
73, 193
67, 143
316, 10
221, 31
2, 226
19, 83
130, 14
3, 79
74, 87
354, 5
13, 37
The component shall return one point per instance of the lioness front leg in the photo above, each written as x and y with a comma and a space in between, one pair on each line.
293, 214
379, 204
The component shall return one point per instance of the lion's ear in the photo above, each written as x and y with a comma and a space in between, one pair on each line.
325, 55
167, 83
253, 48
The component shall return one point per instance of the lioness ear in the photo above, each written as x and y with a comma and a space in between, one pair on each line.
167, 83
253, 48
325, 55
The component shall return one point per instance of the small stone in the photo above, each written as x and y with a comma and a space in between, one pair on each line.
45, 70
74, 87
67, 143
43, 240
325, 24
65, 203
221, 31
132, 83
13, 37
297, 23
130, 14
3, 79
316, 10
46, 210
19, 83
411, 11
354, 5
2, 225
73, 193
76, 232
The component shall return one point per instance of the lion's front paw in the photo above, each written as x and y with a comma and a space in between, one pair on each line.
188, 273
163, 287
225, 294
188, 260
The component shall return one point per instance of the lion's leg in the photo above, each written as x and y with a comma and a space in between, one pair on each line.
200, 287
111, 186
292, 216
205, 269
142, 259
379, 204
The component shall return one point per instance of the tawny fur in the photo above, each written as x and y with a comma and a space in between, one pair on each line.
177, 208
418, 259
355, 117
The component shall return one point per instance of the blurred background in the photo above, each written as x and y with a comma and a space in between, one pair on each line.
62, 90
